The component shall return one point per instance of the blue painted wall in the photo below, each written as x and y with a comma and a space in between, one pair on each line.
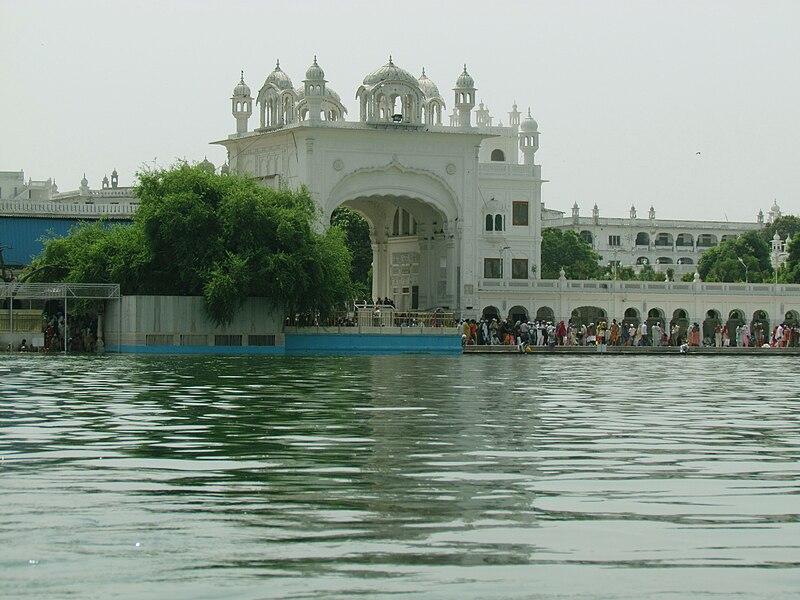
324, 344
24, 234
372, 344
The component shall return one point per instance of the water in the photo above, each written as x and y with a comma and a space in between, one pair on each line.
385, 477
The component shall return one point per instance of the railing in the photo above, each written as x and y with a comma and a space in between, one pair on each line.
656, 287
59, 209
24, 320
375, 319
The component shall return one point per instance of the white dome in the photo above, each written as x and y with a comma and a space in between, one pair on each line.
428, 87
279, 79
315, 72
529, 125
241, 90
465, 80
390, 73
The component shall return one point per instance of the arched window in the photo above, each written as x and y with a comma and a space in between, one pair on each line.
642, 260
498, 223
642, 239
663, 239
498, 156
587, 237
663, 260
489, 223
685, 260
684, 240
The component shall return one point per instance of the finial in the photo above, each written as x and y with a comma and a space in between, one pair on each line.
242, 80
278, 65
390, 60
423, 71
315, 59
465, 67
529, 113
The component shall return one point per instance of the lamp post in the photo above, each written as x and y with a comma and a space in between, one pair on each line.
739, 258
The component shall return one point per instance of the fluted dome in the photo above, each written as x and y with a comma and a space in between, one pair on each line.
428, 87
207, 166
465, 80
390, 72
315, 72
775, 207
242, 90
529, 125
279, 79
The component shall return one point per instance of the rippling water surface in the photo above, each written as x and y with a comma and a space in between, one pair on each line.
384, 477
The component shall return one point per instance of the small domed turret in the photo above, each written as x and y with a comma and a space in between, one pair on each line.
242, 90
529, 124
207, 166
315, 72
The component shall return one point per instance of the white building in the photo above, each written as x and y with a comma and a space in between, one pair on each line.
110, 193
640, 240
14, 187
449, 205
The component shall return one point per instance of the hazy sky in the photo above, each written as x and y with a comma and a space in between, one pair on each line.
625, 92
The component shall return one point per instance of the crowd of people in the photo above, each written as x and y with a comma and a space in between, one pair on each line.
492, 332
81, 332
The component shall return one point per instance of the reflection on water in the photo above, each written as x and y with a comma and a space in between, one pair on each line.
466, 477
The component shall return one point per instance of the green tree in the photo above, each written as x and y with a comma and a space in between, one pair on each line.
785, 226
356, 230
745, 258
567, 250
222, 237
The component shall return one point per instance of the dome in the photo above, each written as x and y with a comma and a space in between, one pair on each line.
529, 125
428, 87
390, 72
241, 90
279, 79
465, 80
775, 207
207, 166
315, 72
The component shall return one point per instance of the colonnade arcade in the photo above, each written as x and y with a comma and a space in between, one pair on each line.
583, 315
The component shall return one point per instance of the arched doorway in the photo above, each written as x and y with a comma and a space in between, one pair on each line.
588, 314
655, 316
490, 312
735, 320
680, 317
545, 313
712, 319
517, 313
760, 327
412, 217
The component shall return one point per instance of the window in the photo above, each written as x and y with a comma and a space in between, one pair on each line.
586, 236
406, 225
520, 213
663, 239
492, 268
498, 156
614, 240
642, 239
498, 223
489, 223
519, 268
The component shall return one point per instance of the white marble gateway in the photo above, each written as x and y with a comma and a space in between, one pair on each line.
449, 204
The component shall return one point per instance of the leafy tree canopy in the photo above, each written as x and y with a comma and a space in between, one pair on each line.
567, 250
727, 261
219, 236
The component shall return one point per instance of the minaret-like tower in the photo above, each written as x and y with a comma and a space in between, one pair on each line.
464, 98
513, 116
114, 179
529, 138
315, 90
241, 105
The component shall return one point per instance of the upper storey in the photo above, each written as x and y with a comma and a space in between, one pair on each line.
388, 97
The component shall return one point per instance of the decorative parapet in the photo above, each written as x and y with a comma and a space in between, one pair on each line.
639, 287
53, 210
